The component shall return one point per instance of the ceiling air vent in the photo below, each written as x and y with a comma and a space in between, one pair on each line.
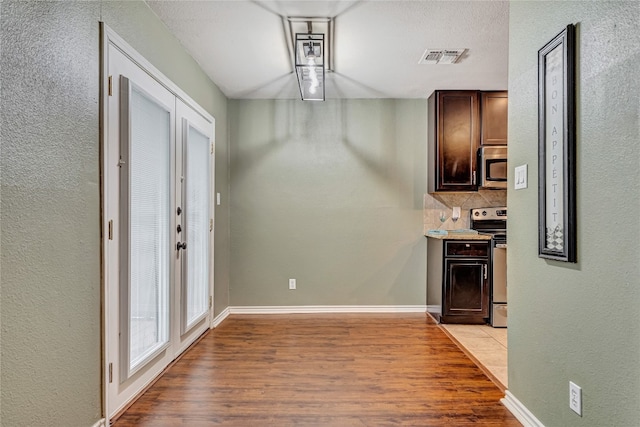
441, 56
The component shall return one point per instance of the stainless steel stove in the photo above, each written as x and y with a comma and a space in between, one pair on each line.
493, 221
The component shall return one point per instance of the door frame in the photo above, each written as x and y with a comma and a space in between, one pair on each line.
109, 38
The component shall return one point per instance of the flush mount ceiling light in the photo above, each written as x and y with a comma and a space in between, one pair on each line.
441, 56
309, 52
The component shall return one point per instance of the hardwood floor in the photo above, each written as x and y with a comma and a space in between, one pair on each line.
322, 370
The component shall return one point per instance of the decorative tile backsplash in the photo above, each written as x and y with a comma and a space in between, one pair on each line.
438, 202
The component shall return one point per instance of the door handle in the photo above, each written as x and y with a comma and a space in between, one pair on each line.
183, 245
484, 267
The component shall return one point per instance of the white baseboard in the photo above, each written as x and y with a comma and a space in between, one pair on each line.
100, 423
520, 411
220, 317
308, 309
434, 309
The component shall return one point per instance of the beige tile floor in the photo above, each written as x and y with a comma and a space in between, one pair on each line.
487, 345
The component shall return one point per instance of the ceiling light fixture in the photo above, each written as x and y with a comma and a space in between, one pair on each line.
309, 64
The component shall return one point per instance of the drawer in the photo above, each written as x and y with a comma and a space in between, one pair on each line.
467, 248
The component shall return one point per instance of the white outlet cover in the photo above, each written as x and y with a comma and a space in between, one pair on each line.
575, 398
520, 175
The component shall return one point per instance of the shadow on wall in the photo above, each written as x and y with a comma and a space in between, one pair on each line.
403, 181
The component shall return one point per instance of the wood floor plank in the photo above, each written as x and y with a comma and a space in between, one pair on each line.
322, 370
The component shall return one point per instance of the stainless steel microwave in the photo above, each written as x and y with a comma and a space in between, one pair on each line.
492, 166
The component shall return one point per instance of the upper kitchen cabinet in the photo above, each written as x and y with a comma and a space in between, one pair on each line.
459, 123
454, 138
493, 110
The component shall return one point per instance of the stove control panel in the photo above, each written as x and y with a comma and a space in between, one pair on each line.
489, 213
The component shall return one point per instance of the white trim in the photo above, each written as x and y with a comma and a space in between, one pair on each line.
520, 411
109, 39
434, 309
308, 309
100, 423
112, 38
220, 317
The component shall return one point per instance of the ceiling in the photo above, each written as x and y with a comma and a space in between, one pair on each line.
243, 46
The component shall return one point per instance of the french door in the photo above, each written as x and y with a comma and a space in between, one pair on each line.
158, 222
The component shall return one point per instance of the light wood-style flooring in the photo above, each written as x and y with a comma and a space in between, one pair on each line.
322, 370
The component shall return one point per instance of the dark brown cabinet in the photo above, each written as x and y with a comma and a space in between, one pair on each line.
459, 122
454, 138
458, 279
494, 117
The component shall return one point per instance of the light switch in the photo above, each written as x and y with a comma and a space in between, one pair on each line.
218, 199
520, 177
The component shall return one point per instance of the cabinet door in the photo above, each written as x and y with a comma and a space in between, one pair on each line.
465, 295
457, 140
494, 107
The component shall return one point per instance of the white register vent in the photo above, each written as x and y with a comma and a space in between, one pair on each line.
441, 56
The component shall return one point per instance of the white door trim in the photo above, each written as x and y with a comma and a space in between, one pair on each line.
108, 38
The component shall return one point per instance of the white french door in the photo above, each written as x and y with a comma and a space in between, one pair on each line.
158, 223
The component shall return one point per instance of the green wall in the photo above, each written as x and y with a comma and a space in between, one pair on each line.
330, 194
579, 322
50, 198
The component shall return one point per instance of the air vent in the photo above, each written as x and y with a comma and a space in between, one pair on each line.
441, 56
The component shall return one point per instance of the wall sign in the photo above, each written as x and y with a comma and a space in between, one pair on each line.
556, 148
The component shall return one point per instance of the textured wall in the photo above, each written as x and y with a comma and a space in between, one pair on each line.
50, 232
579, 322
50, 215
330, 194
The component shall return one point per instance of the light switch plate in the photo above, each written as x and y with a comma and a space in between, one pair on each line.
520, 177
575, 398
218, 199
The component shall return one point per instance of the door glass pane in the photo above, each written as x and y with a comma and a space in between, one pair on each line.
149, 222
197, 225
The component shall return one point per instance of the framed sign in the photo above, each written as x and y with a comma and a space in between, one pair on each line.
556, 148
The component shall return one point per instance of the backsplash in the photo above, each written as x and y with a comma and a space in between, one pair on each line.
437, 202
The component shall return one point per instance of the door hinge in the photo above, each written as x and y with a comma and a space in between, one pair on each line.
210, 301
110, 372
110, 86
210, 224
110, 229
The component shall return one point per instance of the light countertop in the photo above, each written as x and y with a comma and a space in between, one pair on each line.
459, 236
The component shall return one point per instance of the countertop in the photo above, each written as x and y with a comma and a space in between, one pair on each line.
459, 236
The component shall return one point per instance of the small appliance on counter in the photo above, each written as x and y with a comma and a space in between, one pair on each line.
493, 221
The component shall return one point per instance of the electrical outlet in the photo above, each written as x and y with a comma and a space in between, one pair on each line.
292, 283
575, 398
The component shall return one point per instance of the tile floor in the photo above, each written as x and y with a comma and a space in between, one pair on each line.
486, 346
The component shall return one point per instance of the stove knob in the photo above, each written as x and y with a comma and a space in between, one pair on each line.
484, 213
476, 213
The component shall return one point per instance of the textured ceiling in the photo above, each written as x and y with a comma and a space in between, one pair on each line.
242, 45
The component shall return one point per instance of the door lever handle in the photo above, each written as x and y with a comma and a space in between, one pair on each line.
182, 245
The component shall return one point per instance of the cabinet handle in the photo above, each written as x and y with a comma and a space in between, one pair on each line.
485, 271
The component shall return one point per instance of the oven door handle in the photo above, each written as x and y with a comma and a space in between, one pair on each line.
485, 271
